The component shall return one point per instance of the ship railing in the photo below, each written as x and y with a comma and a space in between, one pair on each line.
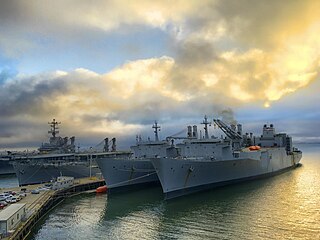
211, 158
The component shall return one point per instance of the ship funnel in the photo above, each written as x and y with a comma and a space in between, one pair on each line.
189, 134
72, 144
106, 145
72, 139
195, 131
65, 141
239, 126
114, 146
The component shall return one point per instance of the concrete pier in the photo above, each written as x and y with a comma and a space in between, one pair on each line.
38, 205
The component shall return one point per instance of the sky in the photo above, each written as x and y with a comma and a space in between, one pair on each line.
111, 68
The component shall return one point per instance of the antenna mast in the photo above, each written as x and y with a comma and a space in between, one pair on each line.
156, 129
54, 127
206, 123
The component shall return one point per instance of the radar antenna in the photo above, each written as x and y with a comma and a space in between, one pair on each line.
156, 129
54, 127
206, 123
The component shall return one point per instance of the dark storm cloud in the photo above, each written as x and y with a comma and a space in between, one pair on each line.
30, 96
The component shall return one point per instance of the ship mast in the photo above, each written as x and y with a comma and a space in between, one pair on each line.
156, 129
206, 123
54, 127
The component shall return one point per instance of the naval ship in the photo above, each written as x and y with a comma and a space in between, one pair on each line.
132, 169
206, 162
55, 158
5, 167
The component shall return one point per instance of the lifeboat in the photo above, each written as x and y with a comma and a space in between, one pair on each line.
102, 189
254, 148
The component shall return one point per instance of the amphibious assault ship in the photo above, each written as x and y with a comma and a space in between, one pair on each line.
55, 158
131, 169
206, 162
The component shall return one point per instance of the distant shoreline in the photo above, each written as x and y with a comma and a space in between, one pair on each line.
306, 143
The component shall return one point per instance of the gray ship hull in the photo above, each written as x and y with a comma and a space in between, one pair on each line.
184, 176
124, 174
6, 168
28, 174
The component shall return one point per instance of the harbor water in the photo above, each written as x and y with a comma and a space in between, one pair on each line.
8, 181
286, 206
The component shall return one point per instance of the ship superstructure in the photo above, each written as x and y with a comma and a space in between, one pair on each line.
56, 143
123, 170
207, 162
56, 158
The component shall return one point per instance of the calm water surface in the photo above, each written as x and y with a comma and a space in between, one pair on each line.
282, 207
8, 181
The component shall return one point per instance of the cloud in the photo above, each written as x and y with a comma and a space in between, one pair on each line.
89, 104
119, 103
223, 54
26, 27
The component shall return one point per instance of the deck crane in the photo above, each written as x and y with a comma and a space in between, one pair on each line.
227, 130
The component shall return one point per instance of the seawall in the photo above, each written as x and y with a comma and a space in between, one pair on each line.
47, 202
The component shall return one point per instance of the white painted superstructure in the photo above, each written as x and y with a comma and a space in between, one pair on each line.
127, 169
210, 162
63, 182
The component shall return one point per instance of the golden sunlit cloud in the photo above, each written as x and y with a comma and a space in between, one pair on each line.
219, 54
